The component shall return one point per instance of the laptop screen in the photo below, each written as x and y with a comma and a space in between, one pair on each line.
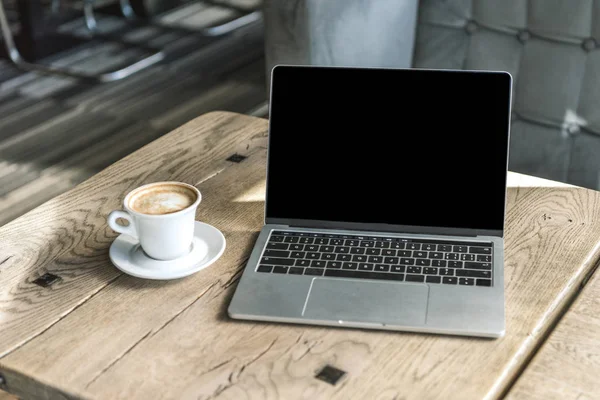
402, 147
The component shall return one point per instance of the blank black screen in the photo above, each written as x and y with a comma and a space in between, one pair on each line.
402, 147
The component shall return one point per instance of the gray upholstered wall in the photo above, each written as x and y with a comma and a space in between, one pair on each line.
551, 48
371, 33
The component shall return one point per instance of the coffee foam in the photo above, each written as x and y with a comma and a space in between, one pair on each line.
162, 199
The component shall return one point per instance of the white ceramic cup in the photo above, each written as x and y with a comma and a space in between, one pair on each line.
162, 236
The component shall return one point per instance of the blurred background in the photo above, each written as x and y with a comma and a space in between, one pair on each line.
59, 127
85, 82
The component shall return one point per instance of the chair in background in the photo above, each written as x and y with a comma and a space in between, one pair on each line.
17, 59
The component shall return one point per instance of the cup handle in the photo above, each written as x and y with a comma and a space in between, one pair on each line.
128, 230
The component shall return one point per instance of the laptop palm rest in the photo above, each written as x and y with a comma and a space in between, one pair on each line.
366, 301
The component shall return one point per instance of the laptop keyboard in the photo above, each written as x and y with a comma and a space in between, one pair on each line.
370, 257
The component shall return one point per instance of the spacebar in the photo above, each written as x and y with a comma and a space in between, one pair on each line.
341, 273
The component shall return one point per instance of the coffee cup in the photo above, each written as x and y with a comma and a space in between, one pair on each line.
161, 217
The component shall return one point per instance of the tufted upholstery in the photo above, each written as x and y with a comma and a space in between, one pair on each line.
552, 50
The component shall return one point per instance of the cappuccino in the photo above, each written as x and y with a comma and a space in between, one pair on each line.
162, 198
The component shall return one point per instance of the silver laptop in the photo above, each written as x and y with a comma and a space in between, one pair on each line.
385, 201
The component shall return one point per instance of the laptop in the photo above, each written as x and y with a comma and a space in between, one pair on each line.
385, 201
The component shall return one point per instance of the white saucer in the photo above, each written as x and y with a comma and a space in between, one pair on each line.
208, 245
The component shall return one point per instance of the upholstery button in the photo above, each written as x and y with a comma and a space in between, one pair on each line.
589, 44
471, 27
523, 36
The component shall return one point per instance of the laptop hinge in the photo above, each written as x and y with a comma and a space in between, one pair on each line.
315, 224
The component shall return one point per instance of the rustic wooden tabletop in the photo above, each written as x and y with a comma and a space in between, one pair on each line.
72, 325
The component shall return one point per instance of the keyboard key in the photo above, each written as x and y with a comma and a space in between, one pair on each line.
433, 279
349, 265
391, 260
436, 255
277, 261
280, 270
321, 241
429, 247
407, 261
336, 242
480, 250
413, 270
373, 252
455, 264
466, 281
306, 240
430, 271
413, 246
311, 247
342, 250
296, 271
276, 253
404, 253
451, 256
484, 258
264, 268
484, 282
277, 246
438, 263
359, 258
365, 267
397, 245
444, 247
474, 274
313, 256
476, 265
297, 247
420, 254
375, 259
303, 263
423, 262
357, 250
351, 243
367, 243
313, 271
460, 249
449, 280
397, 268
326, 249
382, 268
318, 264
446, 271
298, 254
467, 257
363, 274
343, 257
382, 245
415, 278
388, 253
327, 256
334, 264
291, 239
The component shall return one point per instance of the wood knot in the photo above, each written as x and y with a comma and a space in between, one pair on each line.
236, 158
330, 374
47, 279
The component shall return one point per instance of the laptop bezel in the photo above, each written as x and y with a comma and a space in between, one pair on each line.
378, 227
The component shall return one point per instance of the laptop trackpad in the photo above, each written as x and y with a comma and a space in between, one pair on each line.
367, 301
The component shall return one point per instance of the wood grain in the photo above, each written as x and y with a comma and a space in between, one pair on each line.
131, 338
567, 366
7, 396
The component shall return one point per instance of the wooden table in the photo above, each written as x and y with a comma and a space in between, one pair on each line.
97, 333
568, 364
